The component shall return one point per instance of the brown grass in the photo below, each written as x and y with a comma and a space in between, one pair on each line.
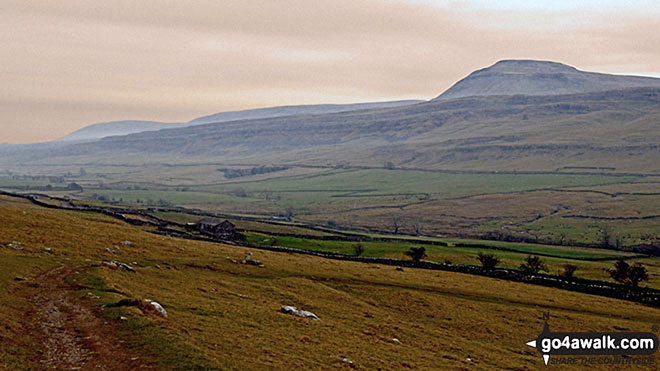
226, 315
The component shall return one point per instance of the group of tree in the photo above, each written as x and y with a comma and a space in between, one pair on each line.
629, 275
622, 272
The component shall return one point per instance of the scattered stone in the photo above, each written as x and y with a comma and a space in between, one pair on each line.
117, 265
468, 359
399, 269
347, 361
253, 262
157, 266
396, 341
15, 245
93, 296
288, 309
111, 251
127, 243
232, 260
122, 318
243, 296
20, 279
158, 307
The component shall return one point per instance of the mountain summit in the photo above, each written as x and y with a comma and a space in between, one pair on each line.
530, 77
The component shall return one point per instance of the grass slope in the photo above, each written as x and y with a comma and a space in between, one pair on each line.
224, 315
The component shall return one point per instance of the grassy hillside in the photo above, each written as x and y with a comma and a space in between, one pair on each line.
226, 315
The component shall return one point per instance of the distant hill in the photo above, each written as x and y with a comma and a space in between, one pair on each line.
616, 128
316, 109
113, 128
126, 127
515, 118
530, 77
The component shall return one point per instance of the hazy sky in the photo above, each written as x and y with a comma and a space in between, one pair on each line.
66, 64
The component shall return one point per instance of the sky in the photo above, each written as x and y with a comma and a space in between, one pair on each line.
67, 64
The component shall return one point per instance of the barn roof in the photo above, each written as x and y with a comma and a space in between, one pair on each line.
211, 221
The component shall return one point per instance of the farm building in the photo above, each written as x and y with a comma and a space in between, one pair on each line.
218, 228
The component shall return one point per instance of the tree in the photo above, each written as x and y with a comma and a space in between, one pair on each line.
606, 238
626, 274
396, 224
358, 249
417, 228
637, 274
569, 271
532, 265
416, 253
488, 261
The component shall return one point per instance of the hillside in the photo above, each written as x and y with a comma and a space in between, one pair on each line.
127, 127
530, 77
113, 128
225, 315
476, 133
316, 109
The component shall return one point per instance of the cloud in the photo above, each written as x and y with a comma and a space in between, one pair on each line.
67, 64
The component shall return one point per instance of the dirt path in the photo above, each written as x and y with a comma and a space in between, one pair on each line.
74, 337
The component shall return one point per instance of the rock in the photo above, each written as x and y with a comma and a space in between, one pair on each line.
111, 251
20, 279
288, 309
48, 250
347, 361
127, 243
15, 245
157, 266
396, 341
253, 262
158, 307
468, 359
122, 318
122, 266
399, 269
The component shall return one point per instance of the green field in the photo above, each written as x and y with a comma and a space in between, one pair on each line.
512, 257
526, 207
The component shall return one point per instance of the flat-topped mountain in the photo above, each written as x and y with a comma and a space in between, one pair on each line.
513, 118
530, 77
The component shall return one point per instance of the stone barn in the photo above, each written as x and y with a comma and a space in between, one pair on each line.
219, 229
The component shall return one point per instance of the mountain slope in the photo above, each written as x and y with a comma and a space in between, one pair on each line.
316, 109
529, 77
498, 132
107, 129
612, 128
126, 127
